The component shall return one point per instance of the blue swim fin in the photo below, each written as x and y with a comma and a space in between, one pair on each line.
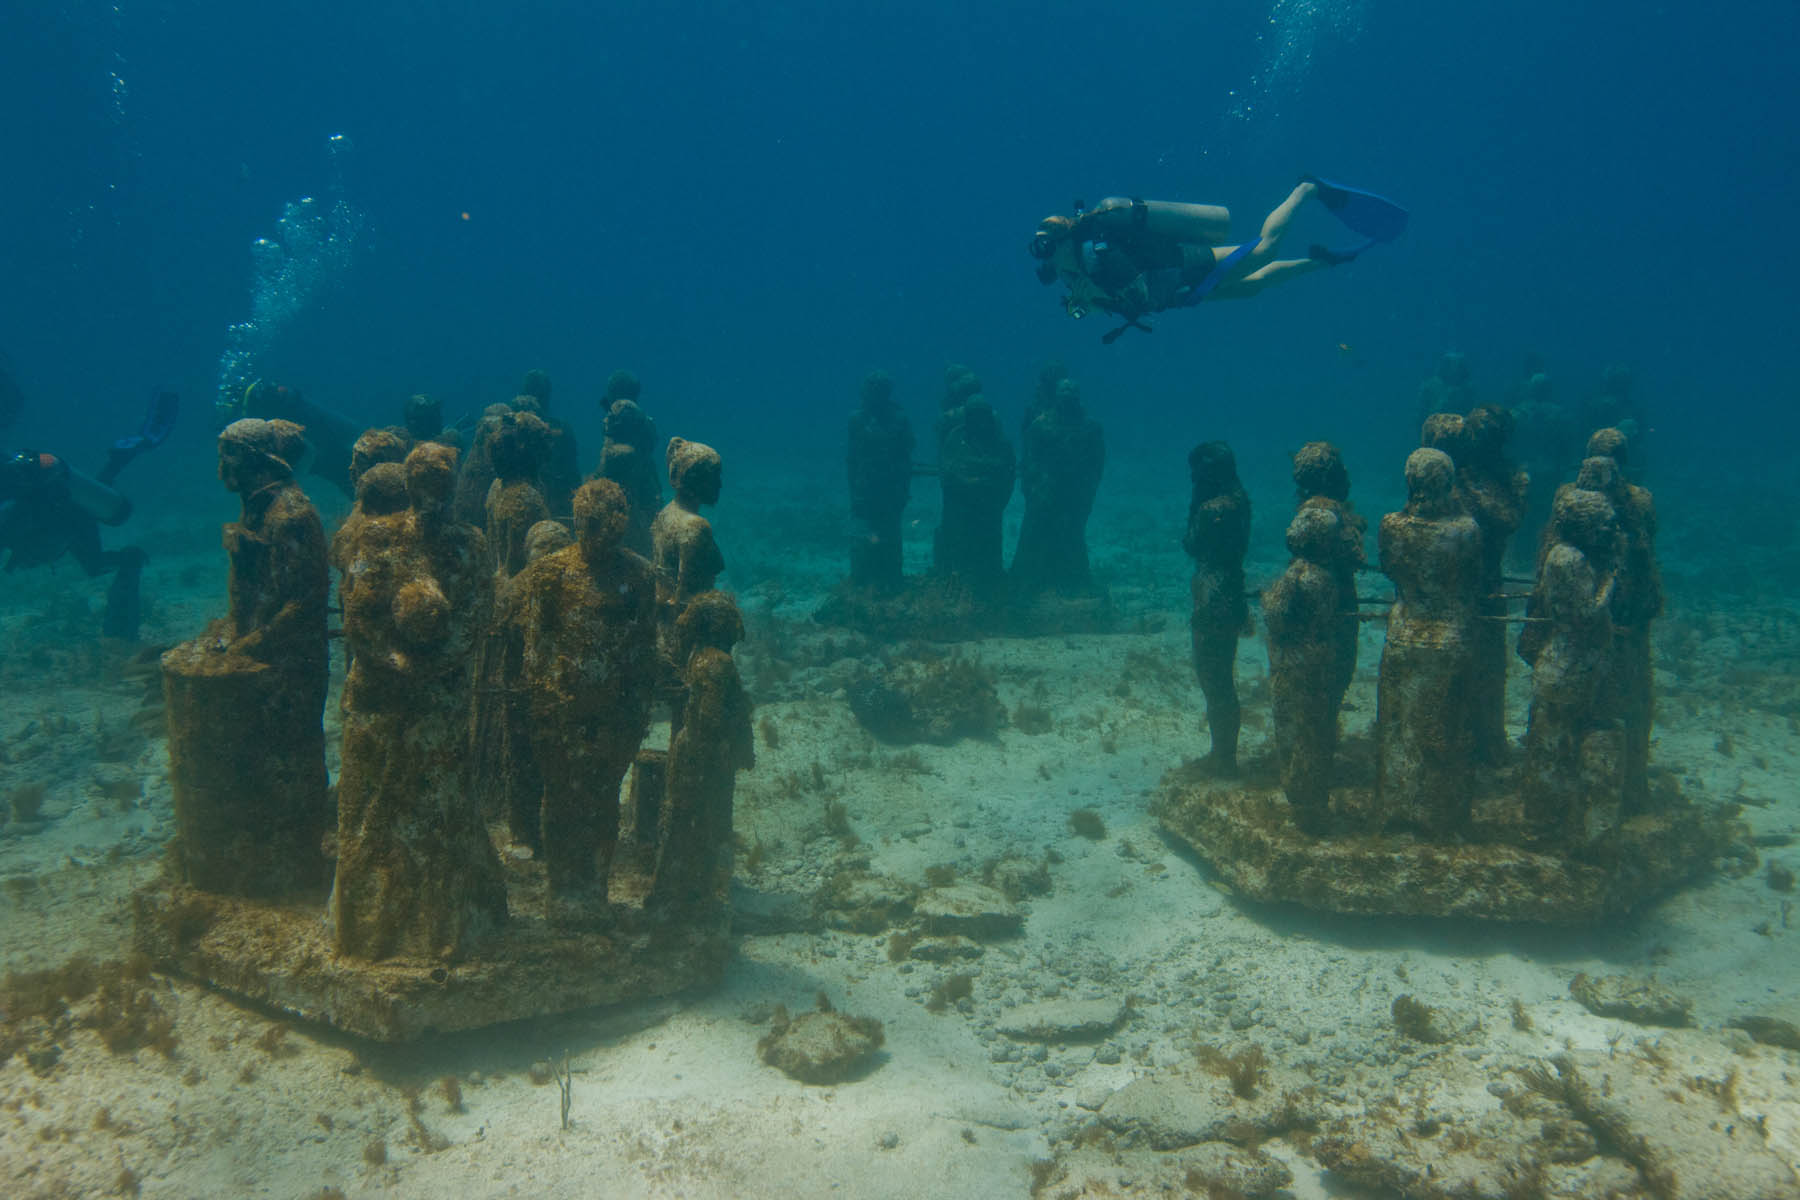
1373, 216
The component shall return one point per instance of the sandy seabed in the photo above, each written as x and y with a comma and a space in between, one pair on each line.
669, 1098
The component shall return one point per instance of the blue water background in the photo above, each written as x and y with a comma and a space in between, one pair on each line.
751, 204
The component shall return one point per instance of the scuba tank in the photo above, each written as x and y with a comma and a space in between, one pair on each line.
1201, 224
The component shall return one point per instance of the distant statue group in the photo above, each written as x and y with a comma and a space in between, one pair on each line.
504, 673
1441, 704
1058, 469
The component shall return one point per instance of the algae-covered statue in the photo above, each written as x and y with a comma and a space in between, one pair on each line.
879, 462
559, 472
1217, 539
1574, 746
1321, 481
628, 457
1637, 601
1492, 491
1304, 612
976, 469
515, 506
1432, 550
417, 876
245, 699
586, 619
1061, 460
687, 557
712, 741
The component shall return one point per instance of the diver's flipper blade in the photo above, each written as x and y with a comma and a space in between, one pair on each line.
1366, 213
159, 422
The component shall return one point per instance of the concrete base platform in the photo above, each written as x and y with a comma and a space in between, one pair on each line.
1245, 831
279, 954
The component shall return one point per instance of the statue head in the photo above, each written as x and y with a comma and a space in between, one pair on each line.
1319, 471
1068, 397
1585, 519
1430, 477
878, 392
516, 444
375, 446
696, 471
1315, 534
254, 453
546, 537
381, 490
536, 384
1599, 473
1610, 442
628, 424
601, 516
710, 620
621, 385
980, 425
431, 479
1448, 432
1213, 469
424, 416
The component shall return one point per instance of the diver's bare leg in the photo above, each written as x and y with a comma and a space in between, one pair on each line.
1265, 276
1273, 226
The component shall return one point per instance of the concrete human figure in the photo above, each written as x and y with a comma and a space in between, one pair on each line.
1322, 481
1492, 491
1303, 612
712, 742
1432, 551
976, 469
1060, 464
417, 875
879, 462
629, 457
1217, 539
1574, 746
514, 507
686, 556
245, 699
586, 619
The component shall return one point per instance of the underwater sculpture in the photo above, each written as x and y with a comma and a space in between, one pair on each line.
1492, 491
559, 472
1433, 552
1574, 744
476, 474
1637, 601
711, 742
879, 462
417, 875
372, 447
515, 506
1303, 613
251, 808
423, 417
1217, 539
1321, 481
1412, 819
586, 620
427, 928
976, 470
628, 457
1060, 464
514, 501
686, 556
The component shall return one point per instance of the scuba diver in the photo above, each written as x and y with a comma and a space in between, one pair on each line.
1133, 257
329, 436
48, 509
